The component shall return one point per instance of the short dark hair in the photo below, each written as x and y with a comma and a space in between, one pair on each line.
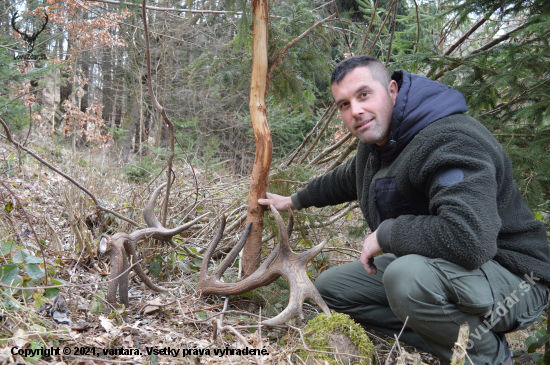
378, 70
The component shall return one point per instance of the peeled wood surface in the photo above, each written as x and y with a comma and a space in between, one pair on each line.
262, 135
282, 261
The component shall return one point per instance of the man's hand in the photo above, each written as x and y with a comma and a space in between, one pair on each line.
281, 203
370, 248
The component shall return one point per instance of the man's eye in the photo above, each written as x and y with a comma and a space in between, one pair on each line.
364, 94
343, 105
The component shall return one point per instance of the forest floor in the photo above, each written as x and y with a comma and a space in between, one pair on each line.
48, 226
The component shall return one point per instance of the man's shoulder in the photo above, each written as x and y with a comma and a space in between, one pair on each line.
457, 126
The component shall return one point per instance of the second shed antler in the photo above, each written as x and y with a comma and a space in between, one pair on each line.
282, 261
120, 244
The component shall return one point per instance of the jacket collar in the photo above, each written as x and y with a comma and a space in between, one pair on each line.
420, 102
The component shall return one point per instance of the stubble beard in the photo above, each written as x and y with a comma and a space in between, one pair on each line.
372, 136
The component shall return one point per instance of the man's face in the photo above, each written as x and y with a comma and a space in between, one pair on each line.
366, 105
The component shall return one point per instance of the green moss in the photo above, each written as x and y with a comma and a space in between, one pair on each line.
322, 326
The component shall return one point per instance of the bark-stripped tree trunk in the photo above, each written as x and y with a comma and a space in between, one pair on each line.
264, 148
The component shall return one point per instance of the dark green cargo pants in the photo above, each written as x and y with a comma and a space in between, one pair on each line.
437, 296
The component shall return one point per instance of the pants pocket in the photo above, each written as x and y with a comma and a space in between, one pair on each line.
528, 317
470, 289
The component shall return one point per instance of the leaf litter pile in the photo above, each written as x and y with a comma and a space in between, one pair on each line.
49, 235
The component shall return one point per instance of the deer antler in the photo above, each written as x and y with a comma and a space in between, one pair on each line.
120, 244
282, 261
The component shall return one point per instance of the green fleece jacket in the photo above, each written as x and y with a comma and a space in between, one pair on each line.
453, 197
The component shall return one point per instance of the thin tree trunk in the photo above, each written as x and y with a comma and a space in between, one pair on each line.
264, 148
65, 89
107, 83
84, 100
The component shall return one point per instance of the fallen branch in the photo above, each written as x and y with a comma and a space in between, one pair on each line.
352, 146
162, 110
342, 25
308, 136
218, 326
9, 137
329, 149
327, 122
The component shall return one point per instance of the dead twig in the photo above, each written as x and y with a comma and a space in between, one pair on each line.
219, 327
397, 340
9, 137
342, 25
162, 110
373, 16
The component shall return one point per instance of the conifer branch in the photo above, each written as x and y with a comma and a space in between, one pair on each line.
394, 3
392, 33
373, 16
486, 47
516, 99
303, 158
342, 25
293, 42
498, 40
467, 35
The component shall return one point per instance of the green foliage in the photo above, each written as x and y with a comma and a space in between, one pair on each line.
21, 269
141, 171
322, 326
536, 340
12, 109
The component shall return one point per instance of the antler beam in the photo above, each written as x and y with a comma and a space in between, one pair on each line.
120, 244
282, 261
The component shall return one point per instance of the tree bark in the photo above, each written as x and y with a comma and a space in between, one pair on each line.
84, 100
65, 88
264, 148
131, 120
107, 86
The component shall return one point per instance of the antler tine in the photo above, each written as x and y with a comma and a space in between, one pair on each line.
301, 286
161, 233
211, 247
130, 249
156, 230
281, 261
295, 301
284, 235
228, 260
149, 211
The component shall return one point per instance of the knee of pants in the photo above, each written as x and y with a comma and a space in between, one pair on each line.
409, 282
323, 283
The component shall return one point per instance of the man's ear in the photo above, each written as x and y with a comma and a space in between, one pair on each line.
393, 89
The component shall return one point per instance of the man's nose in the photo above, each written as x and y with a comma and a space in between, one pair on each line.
356, 108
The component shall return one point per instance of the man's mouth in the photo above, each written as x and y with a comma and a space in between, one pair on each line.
363, 123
